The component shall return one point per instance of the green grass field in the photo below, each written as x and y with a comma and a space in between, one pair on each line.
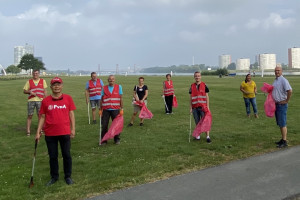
158, 150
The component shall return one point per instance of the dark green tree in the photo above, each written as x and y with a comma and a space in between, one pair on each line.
13, 69
28, 61
232, 66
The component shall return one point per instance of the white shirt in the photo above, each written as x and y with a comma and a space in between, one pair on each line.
281, 86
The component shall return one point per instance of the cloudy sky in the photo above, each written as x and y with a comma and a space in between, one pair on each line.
80, 34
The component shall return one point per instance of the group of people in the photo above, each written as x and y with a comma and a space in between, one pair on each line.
57, 119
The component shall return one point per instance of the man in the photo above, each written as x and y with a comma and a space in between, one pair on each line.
199, 101
112, 105
36, 90
93, 91
57, 112
281, 93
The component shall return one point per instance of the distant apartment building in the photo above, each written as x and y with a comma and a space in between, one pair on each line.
243, 64
294, 57
267, 61
20, 51
224, 61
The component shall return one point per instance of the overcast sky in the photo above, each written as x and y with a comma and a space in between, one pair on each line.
80, 34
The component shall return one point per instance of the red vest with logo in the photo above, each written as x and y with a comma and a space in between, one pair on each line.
168, 88
111, 100
37, 89
95, 90
199, 98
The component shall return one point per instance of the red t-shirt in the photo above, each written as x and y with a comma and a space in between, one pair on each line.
57, 120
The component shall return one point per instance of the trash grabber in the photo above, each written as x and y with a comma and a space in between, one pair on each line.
190, 127
165, 103
88, 105
31, 184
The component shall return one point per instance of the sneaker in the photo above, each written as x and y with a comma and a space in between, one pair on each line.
283, 144
279, 142
51, 182
141, 124
197, 138
117, 142
69, 181
94, 122
130, 124
208, 140
103, 143
256, 115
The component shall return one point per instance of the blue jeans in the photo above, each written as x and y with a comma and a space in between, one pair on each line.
198, 114
247, 104
280, 114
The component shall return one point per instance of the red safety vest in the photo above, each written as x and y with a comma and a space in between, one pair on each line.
111, 100
37, 89
95, 90
198, 96
168, 88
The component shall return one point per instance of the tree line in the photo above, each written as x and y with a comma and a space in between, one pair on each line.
28, 61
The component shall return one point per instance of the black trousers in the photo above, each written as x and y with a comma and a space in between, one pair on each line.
65, 145
106, 115
169, 102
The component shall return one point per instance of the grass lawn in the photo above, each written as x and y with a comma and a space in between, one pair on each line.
158, 150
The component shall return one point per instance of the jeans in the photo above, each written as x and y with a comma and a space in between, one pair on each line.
247, 104
198, 114
65, 144
280, 114
106, 115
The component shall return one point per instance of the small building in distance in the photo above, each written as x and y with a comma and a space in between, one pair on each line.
243, 64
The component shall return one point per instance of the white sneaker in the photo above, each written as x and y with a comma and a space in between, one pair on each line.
198, 138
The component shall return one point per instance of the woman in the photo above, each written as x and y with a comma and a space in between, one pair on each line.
248, 88
168, 94
140, 93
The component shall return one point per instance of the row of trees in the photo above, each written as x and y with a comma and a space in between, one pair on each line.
28, 61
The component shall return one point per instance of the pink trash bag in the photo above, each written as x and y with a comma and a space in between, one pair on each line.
145, 113
204, 124
175, 104
116, 128
269, 104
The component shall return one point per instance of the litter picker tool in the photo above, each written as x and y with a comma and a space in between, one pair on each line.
88, 105
31, 184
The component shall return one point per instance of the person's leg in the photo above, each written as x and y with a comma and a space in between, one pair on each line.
52, 145
105, 121
136, 109
281, 116
247, 104
254, 106
197, 117
166, 104
30, 111
114, 114
93, 106
65, 145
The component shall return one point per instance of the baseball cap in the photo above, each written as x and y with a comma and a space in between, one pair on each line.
56, 80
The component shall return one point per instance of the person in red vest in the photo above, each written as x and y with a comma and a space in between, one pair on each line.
111, 105
199, 100
168, 94
93, 91
57, 113
35, 88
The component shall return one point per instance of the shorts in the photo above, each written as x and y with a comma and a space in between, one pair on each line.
95, 103
280, 114
31, 105
137, 108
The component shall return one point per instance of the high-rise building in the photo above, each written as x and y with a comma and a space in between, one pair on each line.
267, 61
20, 51
243, 64
224, 61
294, 57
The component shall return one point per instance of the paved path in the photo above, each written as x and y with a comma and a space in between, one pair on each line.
271, 176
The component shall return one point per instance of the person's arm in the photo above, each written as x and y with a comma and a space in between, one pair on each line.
40, 126
72, 121
145, 96
289, 94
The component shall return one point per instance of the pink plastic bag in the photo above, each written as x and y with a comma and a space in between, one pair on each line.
269, 104
175, 104
204, 124
115, 128
145, 113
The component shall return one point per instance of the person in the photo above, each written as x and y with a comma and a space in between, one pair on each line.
140, 94
57, 112
199, 100
111, 106
281, 93
248, 88
168, 94
93, 91
35, 88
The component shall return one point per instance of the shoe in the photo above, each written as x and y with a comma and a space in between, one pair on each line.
256, 115
197, 138
167, 113
69, 181
117, 142
103, 143
279, 142
141, 124
94, 122
283, 144
208, 140
28, 134
130, 124
51, 182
